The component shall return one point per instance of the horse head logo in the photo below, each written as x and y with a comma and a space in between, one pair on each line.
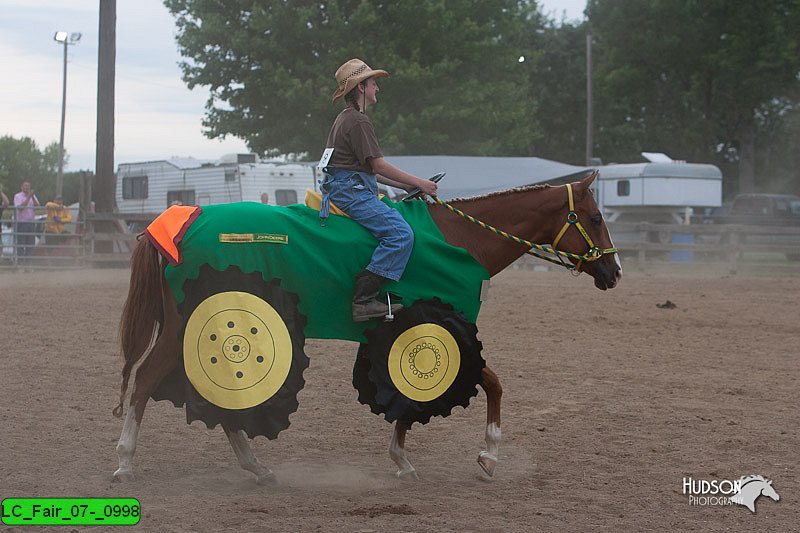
751, 488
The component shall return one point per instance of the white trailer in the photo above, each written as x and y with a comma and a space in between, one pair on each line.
665, 192
152, 186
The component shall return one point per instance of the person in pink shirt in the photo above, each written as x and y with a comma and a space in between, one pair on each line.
25, 202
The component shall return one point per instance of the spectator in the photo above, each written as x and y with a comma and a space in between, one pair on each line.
264, 198
3, 201
3, 205
57, 216
24, 203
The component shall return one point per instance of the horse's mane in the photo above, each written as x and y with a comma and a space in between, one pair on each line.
747, 479
502, 193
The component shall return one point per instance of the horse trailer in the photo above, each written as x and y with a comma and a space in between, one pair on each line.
661, 192
152, 186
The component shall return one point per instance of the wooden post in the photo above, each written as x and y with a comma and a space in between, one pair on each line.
735, 249
106, 57
643, 240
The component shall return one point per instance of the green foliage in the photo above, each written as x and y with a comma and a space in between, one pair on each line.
777, 157
22, 160
455, 88
702, 80
699, 79
558, 86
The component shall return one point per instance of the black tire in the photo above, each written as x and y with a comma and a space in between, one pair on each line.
372, 376
272, 415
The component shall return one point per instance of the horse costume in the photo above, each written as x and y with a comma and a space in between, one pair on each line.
222, 307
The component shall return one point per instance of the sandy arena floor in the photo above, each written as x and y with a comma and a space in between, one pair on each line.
609, 402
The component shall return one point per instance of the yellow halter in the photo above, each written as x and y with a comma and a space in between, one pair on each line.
593, 254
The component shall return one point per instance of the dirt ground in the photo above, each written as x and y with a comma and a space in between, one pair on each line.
609, 402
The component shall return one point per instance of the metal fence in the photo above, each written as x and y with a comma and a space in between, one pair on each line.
92, 239
26, 245
29, 239
724, 248
105, 239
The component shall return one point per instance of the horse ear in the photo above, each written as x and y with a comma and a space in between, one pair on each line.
586, 182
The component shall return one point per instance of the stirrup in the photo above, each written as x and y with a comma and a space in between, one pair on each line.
389, 316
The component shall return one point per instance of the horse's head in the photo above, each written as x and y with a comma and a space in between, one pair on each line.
751, 487
768, 491
585, 233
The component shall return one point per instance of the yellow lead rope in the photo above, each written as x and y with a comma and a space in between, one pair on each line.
593, 254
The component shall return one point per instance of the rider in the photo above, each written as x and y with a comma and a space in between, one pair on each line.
354, 165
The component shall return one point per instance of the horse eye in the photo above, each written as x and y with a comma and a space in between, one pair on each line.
597, 219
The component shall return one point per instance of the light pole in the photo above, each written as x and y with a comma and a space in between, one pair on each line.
66, 39
589, 104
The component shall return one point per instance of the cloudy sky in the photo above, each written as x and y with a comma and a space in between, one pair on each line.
157, 117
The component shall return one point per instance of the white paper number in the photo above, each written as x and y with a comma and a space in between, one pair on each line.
326, 156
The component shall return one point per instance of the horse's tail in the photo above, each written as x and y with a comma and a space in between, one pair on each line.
143, 309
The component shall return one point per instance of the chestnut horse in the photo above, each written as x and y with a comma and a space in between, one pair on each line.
566, 216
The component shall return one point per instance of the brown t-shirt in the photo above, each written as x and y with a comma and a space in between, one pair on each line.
353, 140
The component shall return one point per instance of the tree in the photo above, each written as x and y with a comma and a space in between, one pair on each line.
455, 88
777, 157
558, 86
693, 77
22, 160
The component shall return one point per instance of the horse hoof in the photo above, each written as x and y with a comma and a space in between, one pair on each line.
407, 475
487, 462
123, 476
266, 479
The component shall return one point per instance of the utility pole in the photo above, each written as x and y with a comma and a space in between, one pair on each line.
66, 39
60, 177
589, 107
106, 57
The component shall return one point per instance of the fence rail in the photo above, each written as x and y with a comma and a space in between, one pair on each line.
105, 239
96, 239
733, 246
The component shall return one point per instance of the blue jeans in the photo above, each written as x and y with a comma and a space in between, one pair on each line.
356, 193
27, 240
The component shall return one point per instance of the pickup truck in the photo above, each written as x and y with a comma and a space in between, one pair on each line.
763, 210
756, 209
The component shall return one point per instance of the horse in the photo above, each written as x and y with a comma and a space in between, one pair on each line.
495, 230
751, 488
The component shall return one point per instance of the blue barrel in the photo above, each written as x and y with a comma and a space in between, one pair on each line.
682, 256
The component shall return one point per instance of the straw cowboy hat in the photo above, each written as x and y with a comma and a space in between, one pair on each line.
351, 74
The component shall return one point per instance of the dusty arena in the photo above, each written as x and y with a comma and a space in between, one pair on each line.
611, 399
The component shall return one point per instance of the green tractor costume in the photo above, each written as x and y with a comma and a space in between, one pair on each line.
253, 281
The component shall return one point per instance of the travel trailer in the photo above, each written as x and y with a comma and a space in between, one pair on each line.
660, 191
152, 186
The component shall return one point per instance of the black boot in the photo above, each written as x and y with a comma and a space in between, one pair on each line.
365, 302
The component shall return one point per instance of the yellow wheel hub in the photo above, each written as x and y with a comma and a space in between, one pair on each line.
424, 361
237, 351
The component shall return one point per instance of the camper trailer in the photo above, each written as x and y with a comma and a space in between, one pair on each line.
665, 192
152, 186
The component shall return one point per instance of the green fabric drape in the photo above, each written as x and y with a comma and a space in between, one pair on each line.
319, 263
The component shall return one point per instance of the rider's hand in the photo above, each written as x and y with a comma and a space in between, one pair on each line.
428, 187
